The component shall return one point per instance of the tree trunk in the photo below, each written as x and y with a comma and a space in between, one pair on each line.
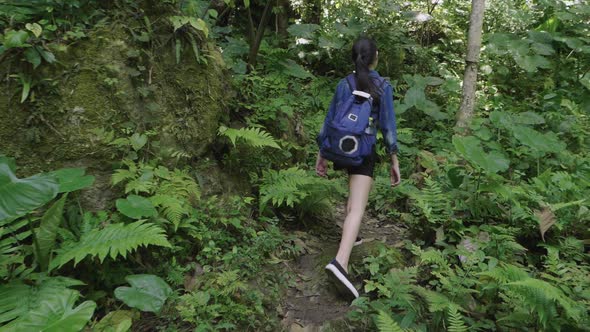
282, 18
255, 44
471, 62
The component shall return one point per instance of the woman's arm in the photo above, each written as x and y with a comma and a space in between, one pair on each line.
388, 125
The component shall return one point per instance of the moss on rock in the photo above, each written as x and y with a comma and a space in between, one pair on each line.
100, 83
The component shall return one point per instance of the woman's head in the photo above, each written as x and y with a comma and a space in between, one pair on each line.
364, 56
364, 52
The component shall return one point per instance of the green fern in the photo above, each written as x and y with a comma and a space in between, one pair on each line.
433, 203
295, 187
283, 187
505, 273
229, 282
125, 174
172, 208
434, 257
13, 248
541, 297
454, 320
385, 323
178, 183
113, 240
255, 137
436, 301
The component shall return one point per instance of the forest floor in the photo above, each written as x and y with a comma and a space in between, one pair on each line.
312, 303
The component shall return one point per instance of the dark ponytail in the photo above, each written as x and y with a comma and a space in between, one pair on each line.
364, 52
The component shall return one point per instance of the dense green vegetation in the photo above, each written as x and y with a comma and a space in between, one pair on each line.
197, 236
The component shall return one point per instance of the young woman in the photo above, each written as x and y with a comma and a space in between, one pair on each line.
364, 56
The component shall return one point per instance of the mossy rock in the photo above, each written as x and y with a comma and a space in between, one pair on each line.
99, 83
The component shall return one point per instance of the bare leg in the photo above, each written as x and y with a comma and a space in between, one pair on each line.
359, 188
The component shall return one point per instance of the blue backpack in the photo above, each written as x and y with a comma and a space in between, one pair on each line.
350, 134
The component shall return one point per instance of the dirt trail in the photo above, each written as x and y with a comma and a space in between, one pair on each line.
313, 304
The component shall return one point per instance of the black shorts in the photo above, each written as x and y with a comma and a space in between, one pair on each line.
366, 168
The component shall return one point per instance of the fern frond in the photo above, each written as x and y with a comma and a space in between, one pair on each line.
505, 273
113, 240
230, 283
433, 202
436, 301
385, 323
172, 208
125, 174
541, 296
139, 185
179, 184
434, 257
455, 320
283, 187
255, 137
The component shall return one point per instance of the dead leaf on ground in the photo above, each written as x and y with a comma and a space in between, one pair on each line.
546, 220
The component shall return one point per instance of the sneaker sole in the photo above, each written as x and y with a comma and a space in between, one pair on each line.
341, 282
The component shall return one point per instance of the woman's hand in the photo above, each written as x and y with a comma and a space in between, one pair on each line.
395, 177
321, 166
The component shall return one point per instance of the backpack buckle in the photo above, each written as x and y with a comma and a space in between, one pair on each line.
361, 94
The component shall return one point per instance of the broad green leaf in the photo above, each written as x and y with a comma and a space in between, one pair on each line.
530, 63
529, 118
469, 147
21, 196
212, 13
33, 57
18, 298
548, 142
15, 38
25, 80
178, 21
147, 292
136, 207
116, 321
414, 96
294, 69
48, 56
431, 80
58, 314
550, 25
432, 109
543, 49
455, 177
35, 28
585, 80
138, 141
200, 25
47, 231
8, 161
329, 42
306, 31
72, 179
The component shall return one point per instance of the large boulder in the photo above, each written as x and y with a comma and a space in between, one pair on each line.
113, 83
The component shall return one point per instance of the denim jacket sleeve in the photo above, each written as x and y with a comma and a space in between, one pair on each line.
387, 121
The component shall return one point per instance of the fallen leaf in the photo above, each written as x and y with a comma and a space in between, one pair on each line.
546, 220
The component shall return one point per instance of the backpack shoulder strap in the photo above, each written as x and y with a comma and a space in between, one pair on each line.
351, 82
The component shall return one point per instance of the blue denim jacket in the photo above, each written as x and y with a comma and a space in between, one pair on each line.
385, 115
